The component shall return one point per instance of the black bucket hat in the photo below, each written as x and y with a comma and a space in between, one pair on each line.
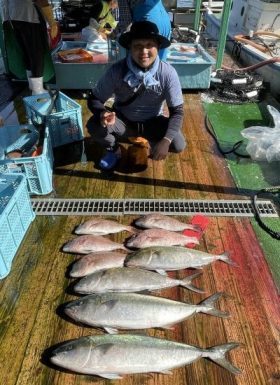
143, 30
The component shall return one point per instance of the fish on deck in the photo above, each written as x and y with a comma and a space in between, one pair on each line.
113, 311
165, 222
86, 244
112, 356
126, 279
170, 258
97, 261
100, 226
159, 237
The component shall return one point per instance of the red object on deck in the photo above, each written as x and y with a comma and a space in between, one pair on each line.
201, 222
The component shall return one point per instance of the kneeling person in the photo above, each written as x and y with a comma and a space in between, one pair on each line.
140, 84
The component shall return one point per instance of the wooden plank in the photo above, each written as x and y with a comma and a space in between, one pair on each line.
32, 295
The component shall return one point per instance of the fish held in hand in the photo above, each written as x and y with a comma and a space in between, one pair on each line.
85, 244
161, 221
168, 258
112, 356
159, 237
97, 261
113, 311
99, 226
125, 279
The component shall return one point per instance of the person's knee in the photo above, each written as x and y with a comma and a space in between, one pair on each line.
178, 144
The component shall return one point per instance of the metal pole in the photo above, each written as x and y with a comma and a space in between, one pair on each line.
223, 32
197, 15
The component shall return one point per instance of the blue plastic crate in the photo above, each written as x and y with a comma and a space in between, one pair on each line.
38, 170
16, 214
64, 121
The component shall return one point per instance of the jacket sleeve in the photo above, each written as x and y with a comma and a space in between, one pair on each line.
175, 121
95, 105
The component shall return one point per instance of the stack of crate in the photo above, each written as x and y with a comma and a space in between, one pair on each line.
26, 163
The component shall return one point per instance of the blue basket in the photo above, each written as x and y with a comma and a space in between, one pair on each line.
64, 120
16, 214
38, 170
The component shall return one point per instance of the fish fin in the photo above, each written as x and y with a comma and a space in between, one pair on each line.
225, 257
217, 355
187, 282
108, 305
104, 348
162, 272
111, 376
111, 330
209, 308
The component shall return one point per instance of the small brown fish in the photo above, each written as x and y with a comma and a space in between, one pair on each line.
86, 244
161, 221
97, 261
99, 226
159, 237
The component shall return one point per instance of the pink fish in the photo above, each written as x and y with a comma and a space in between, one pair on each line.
161, 221
86, 244
97, 261
99, 226
159, 237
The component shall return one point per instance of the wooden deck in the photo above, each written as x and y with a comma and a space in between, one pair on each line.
38, 284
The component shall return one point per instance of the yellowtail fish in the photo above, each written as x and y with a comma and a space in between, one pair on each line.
112, 356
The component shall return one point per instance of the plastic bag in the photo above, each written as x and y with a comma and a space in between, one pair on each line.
90, 34
264, 142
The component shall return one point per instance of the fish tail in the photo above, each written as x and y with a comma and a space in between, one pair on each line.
208, 306
187, 282
225, 257
78, 229
218, 353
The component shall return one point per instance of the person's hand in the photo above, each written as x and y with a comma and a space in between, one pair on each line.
107, 118
160, 150
102, 33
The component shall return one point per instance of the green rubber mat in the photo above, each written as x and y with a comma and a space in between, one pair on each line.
270, 246
226, 122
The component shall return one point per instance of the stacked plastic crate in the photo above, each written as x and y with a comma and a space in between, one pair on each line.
26, 164
16, 214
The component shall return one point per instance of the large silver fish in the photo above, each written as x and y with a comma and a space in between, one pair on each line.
99, 226
159, 237
161, 221
113, 311
112, 356
85, 244
126, 279
97, 261
168, 258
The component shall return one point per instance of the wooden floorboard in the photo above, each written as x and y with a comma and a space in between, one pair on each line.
31, 295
